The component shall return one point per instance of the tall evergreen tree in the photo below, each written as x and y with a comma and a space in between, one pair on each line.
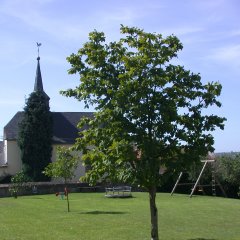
35, 136
35, 132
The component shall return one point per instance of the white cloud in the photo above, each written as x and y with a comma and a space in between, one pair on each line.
211, 5
235, 33
11, 102
77, 24
229, 54
123, 15
32, 14
181, 31
67, 27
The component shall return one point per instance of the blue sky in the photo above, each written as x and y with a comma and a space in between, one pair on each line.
208, 29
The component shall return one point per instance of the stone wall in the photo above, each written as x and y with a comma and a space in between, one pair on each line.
34, 188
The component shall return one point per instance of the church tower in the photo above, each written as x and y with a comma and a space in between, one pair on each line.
38, 85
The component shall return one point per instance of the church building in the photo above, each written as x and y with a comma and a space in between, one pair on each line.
65, 132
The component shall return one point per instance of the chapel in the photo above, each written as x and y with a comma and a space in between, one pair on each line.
65, 131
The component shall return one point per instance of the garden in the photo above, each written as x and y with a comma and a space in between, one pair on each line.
148, 126
93, 216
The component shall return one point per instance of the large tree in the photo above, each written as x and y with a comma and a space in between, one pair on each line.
149, 113
35, 136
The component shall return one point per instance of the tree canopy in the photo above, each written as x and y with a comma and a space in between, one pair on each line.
149, 119
35, 136
63, 167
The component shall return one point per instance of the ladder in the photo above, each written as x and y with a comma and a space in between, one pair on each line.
213, 180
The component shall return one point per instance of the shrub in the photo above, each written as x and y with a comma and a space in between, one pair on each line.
18, 183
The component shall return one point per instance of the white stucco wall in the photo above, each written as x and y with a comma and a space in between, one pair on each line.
3, 161
14, 163
12, 154
13, 157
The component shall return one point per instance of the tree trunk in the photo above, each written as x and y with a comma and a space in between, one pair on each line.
68, 203
66, 194
154, 214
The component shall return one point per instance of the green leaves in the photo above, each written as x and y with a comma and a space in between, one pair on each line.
64, 166
149, 112
18, 183
35, 136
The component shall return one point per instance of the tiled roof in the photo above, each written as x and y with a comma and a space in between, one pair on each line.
64, 126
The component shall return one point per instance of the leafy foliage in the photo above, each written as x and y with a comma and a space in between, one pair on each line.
228, 168
63, 167
149, 113
18, 183
35, 136
144, 103
228, 172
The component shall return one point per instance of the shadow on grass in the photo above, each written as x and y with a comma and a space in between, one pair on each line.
117, 197
102, 212
202, 239
34, 198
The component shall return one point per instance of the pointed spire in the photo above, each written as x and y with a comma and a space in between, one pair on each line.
38, 86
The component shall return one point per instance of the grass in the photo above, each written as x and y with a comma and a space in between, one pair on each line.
94, 217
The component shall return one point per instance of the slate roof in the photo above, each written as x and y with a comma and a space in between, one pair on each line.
65, 129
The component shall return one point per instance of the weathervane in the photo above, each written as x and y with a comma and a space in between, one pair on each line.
38, 46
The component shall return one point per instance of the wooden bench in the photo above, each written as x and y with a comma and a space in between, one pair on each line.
118, 192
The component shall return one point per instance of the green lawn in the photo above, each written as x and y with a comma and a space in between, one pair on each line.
94, 217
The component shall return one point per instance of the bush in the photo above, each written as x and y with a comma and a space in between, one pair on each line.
18, 183
228, 173
228, 168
